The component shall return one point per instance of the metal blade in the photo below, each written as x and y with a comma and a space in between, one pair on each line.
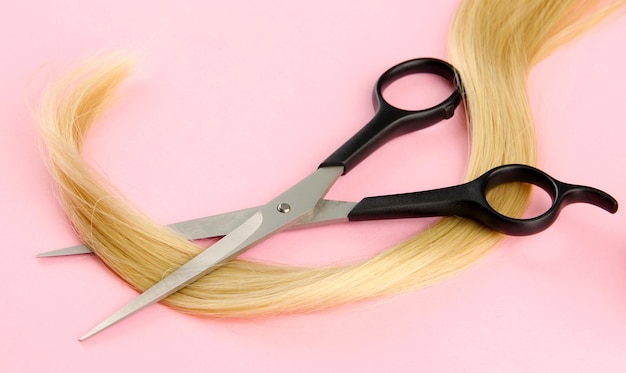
278, 214
72, 250
210, 226
326, 212
213, 226
188, 273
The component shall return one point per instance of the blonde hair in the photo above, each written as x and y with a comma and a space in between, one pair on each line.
493, 43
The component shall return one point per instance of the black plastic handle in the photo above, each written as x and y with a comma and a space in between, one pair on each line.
469, 200
390, 121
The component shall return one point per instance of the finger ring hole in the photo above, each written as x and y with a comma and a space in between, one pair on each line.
499, 198
417, 91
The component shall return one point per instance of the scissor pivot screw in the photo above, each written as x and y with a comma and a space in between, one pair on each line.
283, 207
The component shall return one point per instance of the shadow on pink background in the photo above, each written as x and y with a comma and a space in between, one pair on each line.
233, 101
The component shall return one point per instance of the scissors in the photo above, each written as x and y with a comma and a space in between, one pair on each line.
303, 204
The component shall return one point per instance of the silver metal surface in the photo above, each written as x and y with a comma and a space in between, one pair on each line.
266, 221
72, 250
326, 212
283, 207
189, 272
210, 226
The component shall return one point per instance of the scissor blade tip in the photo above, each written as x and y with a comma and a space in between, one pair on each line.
73, 250
49, 254
91, 333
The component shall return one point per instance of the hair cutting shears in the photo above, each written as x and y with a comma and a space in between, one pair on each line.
303, 204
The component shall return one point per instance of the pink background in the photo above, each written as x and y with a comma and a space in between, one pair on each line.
233, 101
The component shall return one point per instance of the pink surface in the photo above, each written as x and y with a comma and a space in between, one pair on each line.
233, 101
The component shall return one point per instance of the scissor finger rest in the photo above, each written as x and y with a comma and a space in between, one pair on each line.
562, 194
470, 200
